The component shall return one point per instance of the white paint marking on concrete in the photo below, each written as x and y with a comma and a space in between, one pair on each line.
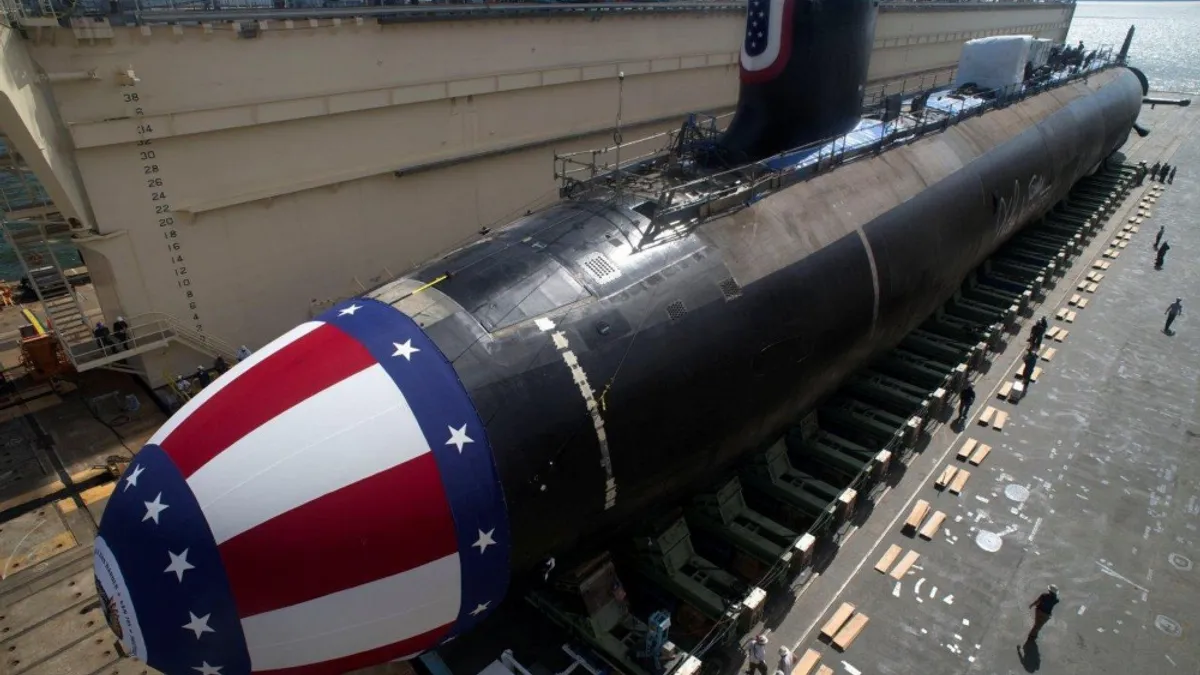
851, 669
981, 498
1082, 609
1037, 524
917, 588
966, 622
1114, 574
933, 593
901, 513
1170, 659
949, 599
1146, 533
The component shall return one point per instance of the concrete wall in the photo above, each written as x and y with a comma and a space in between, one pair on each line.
28, 119
238, 180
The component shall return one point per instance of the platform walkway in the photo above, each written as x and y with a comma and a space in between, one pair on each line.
1093, 485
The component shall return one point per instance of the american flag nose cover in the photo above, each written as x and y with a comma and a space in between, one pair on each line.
330, 503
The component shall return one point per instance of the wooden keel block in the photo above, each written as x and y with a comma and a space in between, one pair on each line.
839, 619
1005, 390
1083, 303
1062, 335
931, 528
888, 558
906, 562
980, 454
1048, 353
1091, 288
960, 481
1075, 299
1071, 316
1052, 331
807, 662
947, 475
825, 670
1099, 264
846, 635
1000, 421
917, 514
1061, 314
967, 448
986, 418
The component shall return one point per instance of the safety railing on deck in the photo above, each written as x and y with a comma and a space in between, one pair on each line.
700, 198
170, 11
147, 332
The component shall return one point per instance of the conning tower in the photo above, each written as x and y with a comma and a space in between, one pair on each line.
803, 67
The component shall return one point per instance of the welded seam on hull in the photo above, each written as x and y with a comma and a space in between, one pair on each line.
589, 398
874, 276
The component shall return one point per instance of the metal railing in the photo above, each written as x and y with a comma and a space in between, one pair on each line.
147, 332
694, 201
171, 11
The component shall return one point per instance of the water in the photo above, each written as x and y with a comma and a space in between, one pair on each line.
13, 195
1165, 45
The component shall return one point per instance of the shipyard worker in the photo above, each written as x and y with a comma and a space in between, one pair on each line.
1171, 176
101, 333
1037, 332
1141, 173
219, 365
1154, 170
1042, 607
121, 332
1162, 174
786, 661
243, 353
1158, 237
202, 377
758, 655
1162, 255
1173, 312
1031, 359
182, 384
965, 400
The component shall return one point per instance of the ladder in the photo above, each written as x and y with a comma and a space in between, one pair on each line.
31, 244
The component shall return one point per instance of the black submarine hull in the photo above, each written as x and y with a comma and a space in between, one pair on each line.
653, 382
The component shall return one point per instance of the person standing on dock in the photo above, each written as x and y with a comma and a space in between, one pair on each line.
1141, 173
1162, 255
101, 333
758, 655
965, 400
1174, 311
1037, 332
1042, 608
1162, 173
1171, 176
1031, 359
786, 661
1158, 237
1154, 171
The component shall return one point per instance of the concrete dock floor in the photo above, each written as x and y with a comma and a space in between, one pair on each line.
1090, 486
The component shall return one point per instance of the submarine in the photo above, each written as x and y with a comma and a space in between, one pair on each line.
367, 486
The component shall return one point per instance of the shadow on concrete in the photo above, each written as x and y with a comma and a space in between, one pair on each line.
1031, 656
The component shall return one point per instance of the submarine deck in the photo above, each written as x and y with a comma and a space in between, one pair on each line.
1104, 502
1092, 485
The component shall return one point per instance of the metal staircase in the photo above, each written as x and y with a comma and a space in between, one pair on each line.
31, 244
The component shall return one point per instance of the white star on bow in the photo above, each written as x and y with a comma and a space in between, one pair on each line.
154, 508
179, 564
485, 540
349, 311
199, 625
206, 669
459, 438
406, 350
131, 479
480, 609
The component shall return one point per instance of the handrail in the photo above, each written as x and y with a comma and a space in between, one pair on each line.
147, 331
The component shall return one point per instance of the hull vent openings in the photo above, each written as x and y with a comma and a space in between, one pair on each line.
600, 267
730, 288
676, 310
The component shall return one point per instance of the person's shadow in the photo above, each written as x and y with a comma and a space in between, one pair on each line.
1030, 656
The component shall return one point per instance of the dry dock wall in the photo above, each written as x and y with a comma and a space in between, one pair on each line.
237, 182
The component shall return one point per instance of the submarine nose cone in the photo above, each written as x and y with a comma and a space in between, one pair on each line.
328, 504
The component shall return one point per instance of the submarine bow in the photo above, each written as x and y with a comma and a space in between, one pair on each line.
803, 67
329, 504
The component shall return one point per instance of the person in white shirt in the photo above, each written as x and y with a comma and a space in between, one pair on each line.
243, 353
786, 661
758, 655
